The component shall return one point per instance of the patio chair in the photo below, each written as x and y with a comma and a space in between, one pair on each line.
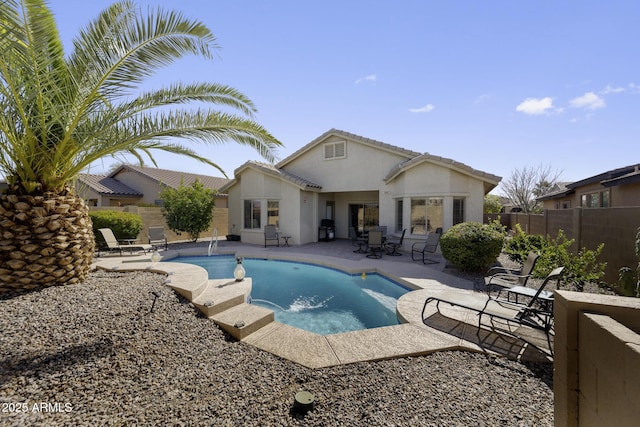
502, 278
393, 246
429, 246
536, 314
114, 245
271, 234
360, 242
374, 244
382, 228
156, 235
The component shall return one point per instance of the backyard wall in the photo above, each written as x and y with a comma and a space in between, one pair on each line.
152, 216
615, 227
596, 379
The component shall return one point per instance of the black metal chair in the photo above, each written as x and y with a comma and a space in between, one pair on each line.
374, 244
392, 247
536, 314
271, 234
156, 235
357, 241
429, 246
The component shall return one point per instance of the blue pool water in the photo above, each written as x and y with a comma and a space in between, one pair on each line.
310, 297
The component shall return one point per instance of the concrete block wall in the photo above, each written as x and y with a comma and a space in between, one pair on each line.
596, 360
152, 216
609, 372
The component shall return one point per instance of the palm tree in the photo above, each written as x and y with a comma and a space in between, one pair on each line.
61, 113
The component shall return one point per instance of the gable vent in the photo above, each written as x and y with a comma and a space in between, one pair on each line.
335, 150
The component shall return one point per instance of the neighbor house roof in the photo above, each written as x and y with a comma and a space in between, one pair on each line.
172, 178
102, 184
559, 190
621, 176
274, 172
340, 133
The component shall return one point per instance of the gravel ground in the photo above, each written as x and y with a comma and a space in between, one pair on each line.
94, 354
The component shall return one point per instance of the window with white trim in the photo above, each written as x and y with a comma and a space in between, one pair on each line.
252, 214
273, 213
335, 150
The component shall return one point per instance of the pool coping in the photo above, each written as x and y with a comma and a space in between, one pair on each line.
413, 337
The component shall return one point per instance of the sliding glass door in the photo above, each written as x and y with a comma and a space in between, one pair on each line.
363, 216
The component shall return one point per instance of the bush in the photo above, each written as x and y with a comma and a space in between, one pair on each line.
555, 252
188, 209
125, 225
519, 246
579, 269
471, 246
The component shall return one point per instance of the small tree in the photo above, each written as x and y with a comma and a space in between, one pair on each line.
525, 185
188, 208
492, 204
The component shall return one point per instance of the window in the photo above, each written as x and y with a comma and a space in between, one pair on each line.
399, 216
458, 211
335, 150
273, 213
363, 217
252, 214
418, 216
426, 215
435, 213
597, 199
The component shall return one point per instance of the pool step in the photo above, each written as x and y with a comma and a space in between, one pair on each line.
222, 294
243, 319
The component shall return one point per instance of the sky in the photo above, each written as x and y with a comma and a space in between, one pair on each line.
497, 85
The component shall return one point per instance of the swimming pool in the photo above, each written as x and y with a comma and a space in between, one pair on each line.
311, 297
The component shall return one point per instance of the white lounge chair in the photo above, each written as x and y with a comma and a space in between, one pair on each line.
114, 245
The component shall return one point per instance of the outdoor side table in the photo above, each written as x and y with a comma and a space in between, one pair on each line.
285, 238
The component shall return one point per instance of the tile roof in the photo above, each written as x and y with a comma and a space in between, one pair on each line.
172, 178
102, 184
450, 163
274, 171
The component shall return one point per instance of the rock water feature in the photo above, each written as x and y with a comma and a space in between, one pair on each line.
45, 240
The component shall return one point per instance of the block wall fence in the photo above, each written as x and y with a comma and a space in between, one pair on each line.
152, 216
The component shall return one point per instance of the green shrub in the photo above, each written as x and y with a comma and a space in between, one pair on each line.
519, 246
471, 246
125, 225
579, 269
188, 208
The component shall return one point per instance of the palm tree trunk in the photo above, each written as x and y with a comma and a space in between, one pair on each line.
44, 241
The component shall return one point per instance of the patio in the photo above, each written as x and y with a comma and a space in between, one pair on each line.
448, 329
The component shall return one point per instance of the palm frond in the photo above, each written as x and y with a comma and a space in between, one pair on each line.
60, 114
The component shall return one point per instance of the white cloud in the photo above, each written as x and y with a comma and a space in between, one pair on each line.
612, 89
482, 98
589, 100
427, 108
371, 78
536, 106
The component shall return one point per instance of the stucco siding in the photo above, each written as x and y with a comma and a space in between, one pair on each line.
426, 179
363, 168
147, 187
307, 207
235, 210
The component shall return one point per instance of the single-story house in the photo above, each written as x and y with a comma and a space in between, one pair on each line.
345, 180
130, 185
615, 188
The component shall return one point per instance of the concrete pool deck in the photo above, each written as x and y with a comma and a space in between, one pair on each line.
448, 328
